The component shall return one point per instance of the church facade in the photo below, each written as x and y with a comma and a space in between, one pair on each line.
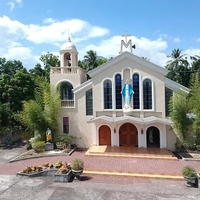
100, 111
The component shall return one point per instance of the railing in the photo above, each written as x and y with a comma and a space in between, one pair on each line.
67, 103
64, 70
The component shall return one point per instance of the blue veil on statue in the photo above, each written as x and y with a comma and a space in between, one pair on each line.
127, 92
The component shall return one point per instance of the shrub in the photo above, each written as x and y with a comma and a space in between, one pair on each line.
189, 171
35, 139
77, 164
39, 146
64, 139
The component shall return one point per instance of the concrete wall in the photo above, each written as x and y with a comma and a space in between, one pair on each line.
171, 138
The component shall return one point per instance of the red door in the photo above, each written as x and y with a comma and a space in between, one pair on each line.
104, 135
128, 135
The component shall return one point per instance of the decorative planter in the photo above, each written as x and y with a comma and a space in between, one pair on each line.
77, 173
190, 181
58, 177
44, 172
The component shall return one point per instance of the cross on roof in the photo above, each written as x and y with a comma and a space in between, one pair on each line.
126, 35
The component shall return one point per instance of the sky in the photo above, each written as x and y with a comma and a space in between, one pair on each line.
30, 28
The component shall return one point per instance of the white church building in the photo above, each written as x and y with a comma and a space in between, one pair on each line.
95, 110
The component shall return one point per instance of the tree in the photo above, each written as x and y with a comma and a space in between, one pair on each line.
37, 71
41, 113
91, 60
178, 112
16, 85
101, 61
178, 67
49, 60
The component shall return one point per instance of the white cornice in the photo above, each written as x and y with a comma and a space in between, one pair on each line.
83, 86
132, 57
146, 120
175, 86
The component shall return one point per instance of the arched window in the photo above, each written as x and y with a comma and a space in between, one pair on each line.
118, 89
66, 91
136, 89
107, 94
147, 94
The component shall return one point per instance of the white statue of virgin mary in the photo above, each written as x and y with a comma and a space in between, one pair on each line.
127, 92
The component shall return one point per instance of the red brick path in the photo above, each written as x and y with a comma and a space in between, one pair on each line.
110, 164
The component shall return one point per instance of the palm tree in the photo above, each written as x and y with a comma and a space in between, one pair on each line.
178, 67
91, 59
195, 63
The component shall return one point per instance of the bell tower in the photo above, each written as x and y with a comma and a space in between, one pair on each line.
69, 72
68, 54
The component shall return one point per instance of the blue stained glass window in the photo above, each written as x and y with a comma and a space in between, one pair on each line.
107, 94
118, 89
147, 94
136, 89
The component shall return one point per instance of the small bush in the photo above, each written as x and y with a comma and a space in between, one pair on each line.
189, 171
77, 164
39, 146
64, 139
35, 139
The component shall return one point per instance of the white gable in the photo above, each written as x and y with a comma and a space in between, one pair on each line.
127, 55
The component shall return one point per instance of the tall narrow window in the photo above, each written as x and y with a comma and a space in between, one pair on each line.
66, 91
147, 94
65, 125
107, 94
89, 102
168, 95
118, 89
136, 89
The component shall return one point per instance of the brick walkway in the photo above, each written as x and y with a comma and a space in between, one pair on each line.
108, 164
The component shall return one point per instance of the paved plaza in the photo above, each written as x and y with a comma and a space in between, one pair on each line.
94, 186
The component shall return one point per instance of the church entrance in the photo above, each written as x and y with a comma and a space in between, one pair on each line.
104, 135
128, 135
153, 137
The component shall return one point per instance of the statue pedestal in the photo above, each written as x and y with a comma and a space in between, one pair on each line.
127, 111
49, 146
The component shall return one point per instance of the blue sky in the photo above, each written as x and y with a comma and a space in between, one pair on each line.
31, 28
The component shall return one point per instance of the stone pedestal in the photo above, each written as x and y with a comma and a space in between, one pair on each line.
49, 147
127, 111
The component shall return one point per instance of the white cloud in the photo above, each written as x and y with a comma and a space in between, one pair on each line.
13, 3
49, 20
198, 39
13, 33
177, 40
152, 49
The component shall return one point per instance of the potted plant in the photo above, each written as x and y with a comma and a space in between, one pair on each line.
189, 175
77, 168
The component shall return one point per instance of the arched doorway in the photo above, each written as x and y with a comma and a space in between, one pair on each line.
104, 135
153, 137
128, 135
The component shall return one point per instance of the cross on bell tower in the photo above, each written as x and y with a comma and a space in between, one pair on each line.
125, 43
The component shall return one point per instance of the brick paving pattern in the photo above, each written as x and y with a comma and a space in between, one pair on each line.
109, 164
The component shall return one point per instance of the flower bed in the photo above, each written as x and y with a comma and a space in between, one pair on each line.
47, 169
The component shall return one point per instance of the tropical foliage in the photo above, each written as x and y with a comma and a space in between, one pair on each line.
42, 112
